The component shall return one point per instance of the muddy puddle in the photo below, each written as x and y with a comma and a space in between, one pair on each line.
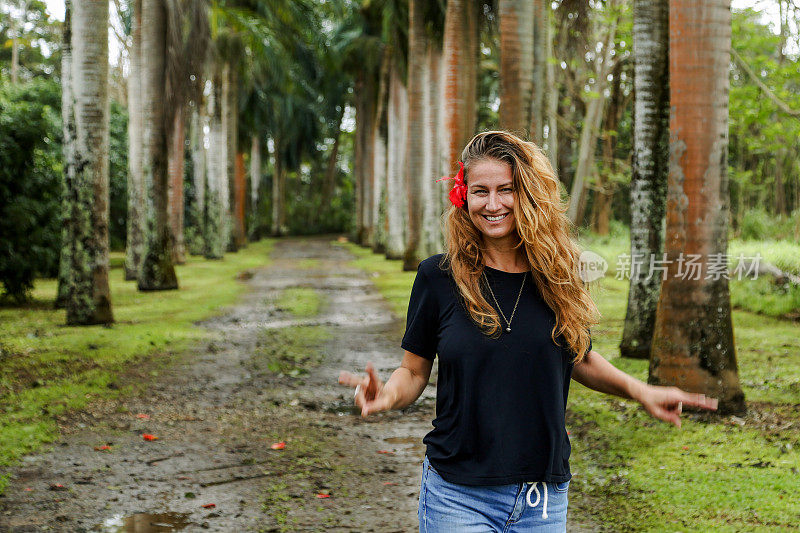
144, 523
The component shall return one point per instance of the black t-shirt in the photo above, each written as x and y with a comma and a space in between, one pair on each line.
500, 402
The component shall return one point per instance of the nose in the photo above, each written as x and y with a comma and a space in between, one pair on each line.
493, 203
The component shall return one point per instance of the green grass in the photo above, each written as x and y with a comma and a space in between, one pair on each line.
47, 368
634, 473
309, 263
291, 351
302, 302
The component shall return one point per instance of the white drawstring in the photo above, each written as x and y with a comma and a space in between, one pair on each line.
544, 504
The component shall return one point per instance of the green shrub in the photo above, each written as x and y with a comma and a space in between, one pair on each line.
30, 184
755, 225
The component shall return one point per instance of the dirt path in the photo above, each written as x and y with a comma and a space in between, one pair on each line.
217, 411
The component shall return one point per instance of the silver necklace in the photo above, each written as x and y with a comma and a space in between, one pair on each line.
507, 320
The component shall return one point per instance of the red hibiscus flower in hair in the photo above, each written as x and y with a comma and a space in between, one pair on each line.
458, 194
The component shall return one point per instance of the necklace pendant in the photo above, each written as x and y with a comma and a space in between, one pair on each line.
508, 329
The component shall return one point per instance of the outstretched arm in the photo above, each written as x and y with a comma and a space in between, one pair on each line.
403, 388
664, 403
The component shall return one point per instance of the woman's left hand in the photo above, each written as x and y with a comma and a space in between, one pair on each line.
666, 403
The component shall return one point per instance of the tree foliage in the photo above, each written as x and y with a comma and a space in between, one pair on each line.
30, 184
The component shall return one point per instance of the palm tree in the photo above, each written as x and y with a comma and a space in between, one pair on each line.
255, 172
516, 63
67, 116
415, 143
459, 85
365, 96
396, 208
423, 145
433, 114
541, 21
199, 171
460, 77
89, 300
650, 169
136, 193
215, 229
693, 346
230, 108
157, 271
175, 169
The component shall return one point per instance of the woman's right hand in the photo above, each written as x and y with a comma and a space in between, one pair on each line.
370, 394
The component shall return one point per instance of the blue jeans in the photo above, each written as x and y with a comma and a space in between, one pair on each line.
448, 507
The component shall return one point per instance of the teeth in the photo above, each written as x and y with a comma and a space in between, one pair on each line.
493, 219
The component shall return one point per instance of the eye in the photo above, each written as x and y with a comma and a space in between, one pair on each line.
506, 189
479, 192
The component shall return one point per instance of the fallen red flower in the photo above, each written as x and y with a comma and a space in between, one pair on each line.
209, 505
148, 436
387, 452
321, 495
143, 416
102, 448
389, 483
278, 445
28, 489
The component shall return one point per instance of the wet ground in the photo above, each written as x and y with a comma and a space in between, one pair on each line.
219, 409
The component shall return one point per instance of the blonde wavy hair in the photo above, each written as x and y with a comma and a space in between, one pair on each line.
544, 234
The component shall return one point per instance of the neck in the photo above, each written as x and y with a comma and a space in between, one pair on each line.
502, 255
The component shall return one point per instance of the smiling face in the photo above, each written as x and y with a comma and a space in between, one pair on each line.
490, 199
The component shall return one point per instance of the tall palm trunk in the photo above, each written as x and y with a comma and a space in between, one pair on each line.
432, 234
175, 169
255, 171
157, 271
279, 190
365, 95
379, 191
216, 176
415, 145
199, 171
134, 246
225, 174
239, 200
460, 85
396, 196
540, 36
650, 170
358, 162
516, 64
693, 346
230, 110
457, 104
378, 156
68, 175
552, 94
89, 300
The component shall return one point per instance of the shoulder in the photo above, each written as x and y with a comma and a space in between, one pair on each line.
433, 267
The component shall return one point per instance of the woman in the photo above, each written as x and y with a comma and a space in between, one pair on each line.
508, 315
